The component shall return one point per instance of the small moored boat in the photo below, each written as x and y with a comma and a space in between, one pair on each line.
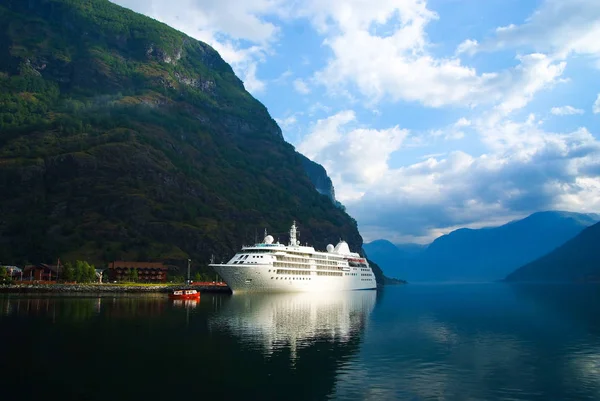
184, 294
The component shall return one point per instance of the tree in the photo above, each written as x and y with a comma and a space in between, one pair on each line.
133, 275
3, 275
91, 272
198, 276
84, 272
68, 272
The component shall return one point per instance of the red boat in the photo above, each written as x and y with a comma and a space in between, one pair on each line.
184, 294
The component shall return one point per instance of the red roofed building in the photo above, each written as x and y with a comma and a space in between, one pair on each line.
147, 271
41, 272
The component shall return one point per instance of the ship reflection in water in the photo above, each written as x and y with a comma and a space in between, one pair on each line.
247, 346
415, 342
296, 320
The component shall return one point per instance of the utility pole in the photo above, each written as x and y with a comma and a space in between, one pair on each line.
188, 276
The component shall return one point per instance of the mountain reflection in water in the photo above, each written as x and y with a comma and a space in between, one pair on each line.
414, 342
270, 346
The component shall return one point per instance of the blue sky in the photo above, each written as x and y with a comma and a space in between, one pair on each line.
428, 115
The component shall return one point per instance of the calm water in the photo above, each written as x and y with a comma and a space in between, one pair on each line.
414, 342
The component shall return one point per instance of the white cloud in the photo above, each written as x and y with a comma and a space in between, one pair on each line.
468, 46
325, 132
283, 77
396, 64
287, 122
251, 82
317, 108
301, 87
596, 107
452, 132
462, 122
558, 26
534, 73
565, 111
355, 157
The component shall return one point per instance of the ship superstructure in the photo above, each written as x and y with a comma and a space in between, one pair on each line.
269, 266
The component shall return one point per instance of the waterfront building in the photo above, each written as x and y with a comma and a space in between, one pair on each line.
42, 272
120, 270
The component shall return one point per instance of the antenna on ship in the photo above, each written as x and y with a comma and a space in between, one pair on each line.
293, 241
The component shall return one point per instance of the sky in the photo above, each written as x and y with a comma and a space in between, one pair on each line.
429, 115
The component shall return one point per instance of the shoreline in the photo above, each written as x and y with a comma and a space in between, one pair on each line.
107, 288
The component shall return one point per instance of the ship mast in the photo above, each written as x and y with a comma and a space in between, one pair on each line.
293, 241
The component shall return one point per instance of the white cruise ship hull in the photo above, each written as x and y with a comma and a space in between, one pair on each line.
263, 278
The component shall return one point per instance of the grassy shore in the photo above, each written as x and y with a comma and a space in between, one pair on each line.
107, 288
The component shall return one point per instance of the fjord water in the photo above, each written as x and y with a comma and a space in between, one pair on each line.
413, 342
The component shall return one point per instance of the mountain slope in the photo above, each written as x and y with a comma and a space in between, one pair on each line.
396, 260
121, 137
577, 260
491, 253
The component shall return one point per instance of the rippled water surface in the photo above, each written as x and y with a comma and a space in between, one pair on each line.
413, 342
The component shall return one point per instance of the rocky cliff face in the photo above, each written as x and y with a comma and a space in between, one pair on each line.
318, 176
123, 138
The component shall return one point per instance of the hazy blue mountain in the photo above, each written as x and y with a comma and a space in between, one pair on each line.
395, 259
484, 254
576, 260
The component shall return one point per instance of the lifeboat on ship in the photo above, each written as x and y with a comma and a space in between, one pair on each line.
184, 294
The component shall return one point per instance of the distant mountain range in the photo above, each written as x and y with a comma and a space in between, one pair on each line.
484, 254
395, 259
575, 261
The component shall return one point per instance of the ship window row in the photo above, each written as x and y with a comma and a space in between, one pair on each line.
294, 272
325, 257
366, 279
290, 278
298, 262
292, 265
298, 254
367, 275
326, 262
326, 265
293, 258
351, 274
329, 274
328, 268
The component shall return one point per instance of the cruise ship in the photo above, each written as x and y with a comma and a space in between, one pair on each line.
275, 267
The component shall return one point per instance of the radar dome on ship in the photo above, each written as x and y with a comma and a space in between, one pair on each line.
342, 248
330, 248
269, 239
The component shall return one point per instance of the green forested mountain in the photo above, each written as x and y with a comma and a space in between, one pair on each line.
578, 260
121, 137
